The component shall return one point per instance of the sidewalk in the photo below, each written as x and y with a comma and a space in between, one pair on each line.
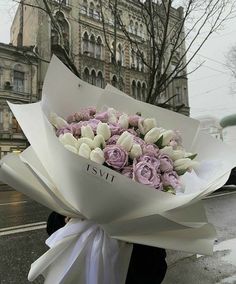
220, 268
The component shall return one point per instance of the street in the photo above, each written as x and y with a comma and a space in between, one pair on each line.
22, 237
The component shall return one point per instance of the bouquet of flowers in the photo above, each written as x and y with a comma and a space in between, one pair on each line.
117, 180
128, 144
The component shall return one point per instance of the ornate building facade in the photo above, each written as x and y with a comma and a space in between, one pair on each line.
83, 35
18, 84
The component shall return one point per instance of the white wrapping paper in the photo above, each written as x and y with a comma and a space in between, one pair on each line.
106, 207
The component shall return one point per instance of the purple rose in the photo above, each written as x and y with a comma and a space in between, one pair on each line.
171, 179
115, 128
151, 159
102, 116
115, 156
138, 140
166, 164
128, 171
150, 149
93, 123
66, 129
145, 173
134, 119
112, 140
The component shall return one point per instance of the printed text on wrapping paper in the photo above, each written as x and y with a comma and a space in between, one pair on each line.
100, 173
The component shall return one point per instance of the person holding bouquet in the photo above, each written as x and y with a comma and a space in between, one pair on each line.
147, 264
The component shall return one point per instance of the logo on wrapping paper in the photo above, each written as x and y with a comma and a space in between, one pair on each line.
95, 171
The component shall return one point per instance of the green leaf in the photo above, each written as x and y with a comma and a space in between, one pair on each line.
182, 172
169, 189
159, 142
192, 156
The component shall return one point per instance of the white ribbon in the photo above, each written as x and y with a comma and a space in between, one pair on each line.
82, 253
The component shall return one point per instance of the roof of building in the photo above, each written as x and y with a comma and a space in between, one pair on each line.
229, 120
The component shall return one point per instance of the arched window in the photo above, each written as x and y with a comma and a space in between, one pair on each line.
120, 54
136, 28
92, 46
85, 43
112, 53
86, 75
84, 7
64, 28
100, 80
134, 89
132, 59
131, 26
139, 91
141, 30
99, 48
114, 81
18, 78
91, 9
93, 77
144, 92
97, 14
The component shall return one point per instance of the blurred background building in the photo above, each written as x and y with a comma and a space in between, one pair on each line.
89, 41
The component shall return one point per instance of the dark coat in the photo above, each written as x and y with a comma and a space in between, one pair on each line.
147, 264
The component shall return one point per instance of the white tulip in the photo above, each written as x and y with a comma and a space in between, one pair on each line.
136, 151
112, 117
152, 135
182, 165
86, 131
178, 154
84, 151
85, 140
124, 121
68, 139
71, 148
146, 125
167, 150
97, 156
149, 123
125, 140
99, 141
104, 130
167, 136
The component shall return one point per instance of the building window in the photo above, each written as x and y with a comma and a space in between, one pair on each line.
92, 44
86, 75
97, 14
139, 91
1, 117
131, 27
93, 78
136, 28
120, 55
133, 59
18, 81
100, 80
99, 48
84, 7
114, 81
91, 9
144, 92
85, 43
65, 31
134, 89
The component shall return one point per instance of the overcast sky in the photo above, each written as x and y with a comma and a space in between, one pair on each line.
212, 91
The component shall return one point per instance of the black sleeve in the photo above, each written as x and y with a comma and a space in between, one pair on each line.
55, 222
147, 265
